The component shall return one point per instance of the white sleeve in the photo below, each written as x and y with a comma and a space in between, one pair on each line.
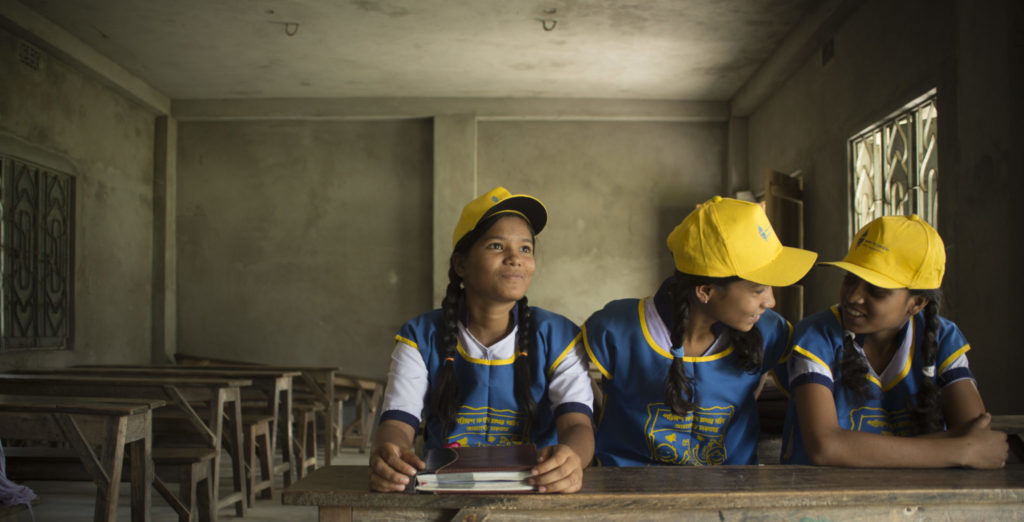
569, 380
799, 366
407, 381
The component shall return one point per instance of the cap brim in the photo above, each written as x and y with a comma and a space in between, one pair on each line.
866, 274
529, 207
787, 268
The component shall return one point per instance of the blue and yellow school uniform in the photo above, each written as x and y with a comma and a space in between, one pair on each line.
488, 414
628, 343
817, 352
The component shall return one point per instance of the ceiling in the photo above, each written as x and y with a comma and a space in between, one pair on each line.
631, 49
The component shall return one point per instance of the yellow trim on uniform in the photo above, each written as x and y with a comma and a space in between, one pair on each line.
498, 362
909, 362
949, 360
647, 333
778, 385
835, 312
590, 354
809, 355
789, 348
408, 342
661, 351
563, 354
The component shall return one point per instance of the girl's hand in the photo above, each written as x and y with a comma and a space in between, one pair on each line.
983, 447
392, 467
559, 470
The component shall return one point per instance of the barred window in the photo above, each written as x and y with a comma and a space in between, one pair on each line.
37, 262
894, 166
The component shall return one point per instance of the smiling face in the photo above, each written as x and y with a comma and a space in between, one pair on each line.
868, 309
499, 265
740, 304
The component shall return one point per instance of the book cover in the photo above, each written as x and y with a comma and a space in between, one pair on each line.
481, 468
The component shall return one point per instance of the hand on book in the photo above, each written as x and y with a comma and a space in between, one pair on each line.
392, 467
559, 470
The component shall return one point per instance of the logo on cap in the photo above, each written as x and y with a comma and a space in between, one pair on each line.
861, 238
762, 232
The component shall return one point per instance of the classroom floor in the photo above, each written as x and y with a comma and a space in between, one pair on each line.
74, 501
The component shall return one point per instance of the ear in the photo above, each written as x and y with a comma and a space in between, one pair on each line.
916, 303
459, 264
704, 292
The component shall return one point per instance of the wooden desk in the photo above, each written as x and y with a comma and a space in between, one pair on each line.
368, 395
1013, 425
683, 492
221, 395
318, 380
274, 384
85, 423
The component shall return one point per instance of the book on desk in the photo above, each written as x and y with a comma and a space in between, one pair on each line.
478, 469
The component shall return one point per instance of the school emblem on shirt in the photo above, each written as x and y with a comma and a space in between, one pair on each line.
486, 427
878, 420
696, 439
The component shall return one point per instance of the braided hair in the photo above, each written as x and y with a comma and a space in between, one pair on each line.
444, 401
926, 413
680, 388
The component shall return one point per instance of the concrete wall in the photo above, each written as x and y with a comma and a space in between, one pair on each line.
302, 242
311, 242
60, 115
886, 54
613, 190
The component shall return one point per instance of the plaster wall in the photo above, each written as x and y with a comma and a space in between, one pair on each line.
613, 190
59, 115
886, 54
303, 242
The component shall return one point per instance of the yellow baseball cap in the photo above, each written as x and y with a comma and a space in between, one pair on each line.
897, 252
497, 201
727, 237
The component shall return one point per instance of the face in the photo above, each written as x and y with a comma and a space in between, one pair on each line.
738, 305
868, 309
499, 266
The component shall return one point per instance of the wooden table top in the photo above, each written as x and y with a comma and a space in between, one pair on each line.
676, 487
79, 405
183, 380
171, 371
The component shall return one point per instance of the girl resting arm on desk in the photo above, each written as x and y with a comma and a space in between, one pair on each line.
881, 380
487, 369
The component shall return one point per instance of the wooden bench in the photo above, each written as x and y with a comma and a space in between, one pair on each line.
190, 468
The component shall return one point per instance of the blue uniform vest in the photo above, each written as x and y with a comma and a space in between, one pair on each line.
637, 428
819, 338
487, 413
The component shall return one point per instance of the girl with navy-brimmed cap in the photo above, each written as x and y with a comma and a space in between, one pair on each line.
488, 369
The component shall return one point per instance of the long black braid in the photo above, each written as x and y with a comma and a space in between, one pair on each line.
680, 389
927, 413
524, 375
444, 403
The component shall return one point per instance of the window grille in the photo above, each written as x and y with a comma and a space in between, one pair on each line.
37, 261
894, 166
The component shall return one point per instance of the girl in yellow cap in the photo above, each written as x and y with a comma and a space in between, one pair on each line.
487, 369
680, 369
883, 362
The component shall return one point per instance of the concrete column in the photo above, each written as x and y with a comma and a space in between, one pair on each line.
165, 248
736, 176
455, 184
